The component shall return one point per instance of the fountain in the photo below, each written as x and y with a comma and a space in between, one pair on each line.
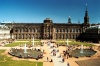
26, 52
67, 42
25, 49
81, 51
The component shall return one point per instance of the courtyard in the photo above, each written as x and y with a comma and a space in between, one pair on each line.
8, 60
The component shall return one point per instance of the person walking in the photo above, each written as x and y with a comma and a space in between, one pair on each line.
47, 59
68, 64
63, 60
51, 60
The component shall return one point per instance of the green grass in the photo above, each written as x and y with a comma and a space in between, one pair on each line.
1, 56
63, 42
21, 43
38, 42
20, 63
15, 44
10, 62
28, 40
80, 43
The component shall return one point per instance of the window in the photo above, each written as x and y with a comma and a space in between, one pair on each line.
25, 30
22, 36
21, 29
35, 30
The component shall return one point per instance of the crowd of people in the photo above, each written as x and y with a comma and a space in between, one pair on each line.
55, 50
6, 41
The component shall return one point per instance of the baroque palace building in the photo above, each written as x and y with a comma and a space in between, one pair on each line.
48, 29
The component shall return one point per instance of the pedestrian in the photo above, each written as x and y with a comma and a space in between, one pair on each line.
51, 60
67, 56
68, 64
63, 60
47, 59
57, 50
59, 55
43, 50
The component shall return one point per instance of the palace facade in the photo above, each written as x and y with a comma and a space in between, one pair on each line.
51, 30
48, 29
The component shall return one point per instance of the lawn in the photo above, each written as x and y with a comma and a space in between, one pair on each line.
28, 40
7, 61
15, 44
18, 43
20, 63
72, 42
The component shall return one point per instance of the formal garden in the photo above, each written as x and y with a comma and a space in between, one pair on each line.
7, 61
72, 42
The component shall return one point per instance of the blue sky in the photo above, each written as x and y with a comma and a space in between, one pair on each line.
58, 10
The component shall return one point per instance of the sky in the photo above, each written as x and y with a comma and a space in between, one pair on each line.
35, 11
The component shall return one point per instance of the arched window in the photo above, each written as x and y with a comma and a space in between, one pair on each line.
28, 29
16, 36
75, 30
22, 36
68, 30
56, 36
26, 36
56, 30
29, 36
62, 30
35, 30
21, 29
63, 36
36, 36
25, 30
16, 29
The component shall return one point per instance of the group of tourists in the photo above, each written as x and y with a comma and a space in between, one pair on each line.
54, 51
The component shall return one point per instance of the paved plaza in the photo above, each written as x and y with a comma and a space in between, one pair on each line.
57, 61
82, 61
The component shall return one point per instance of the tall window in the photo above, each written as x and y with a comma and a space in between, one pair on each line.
56, 30
22, 36
35, 30
26, 36
21, 29
28, 29
16, 36
19, 36
25, 30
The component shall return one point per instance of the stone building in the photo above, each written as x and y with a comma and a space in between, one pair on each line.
91, 34
49, 29
4, 32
